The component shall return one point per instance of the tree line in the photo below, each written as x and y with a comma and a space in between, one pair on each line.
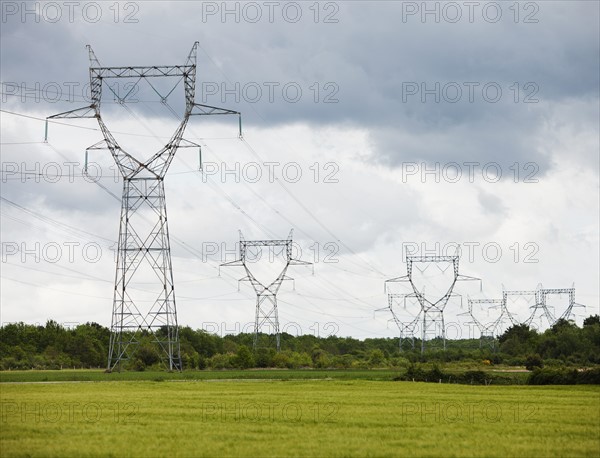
53, 346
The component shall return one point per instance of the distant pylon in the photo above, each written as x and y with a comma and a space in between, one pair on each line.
540, 307
432, 311
488, 329
266, 295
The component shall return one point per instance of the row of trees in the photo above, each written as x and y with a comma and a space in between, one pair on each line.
53, 346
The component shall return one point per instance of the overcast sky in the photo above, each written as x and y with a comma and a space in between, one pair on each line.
371, 129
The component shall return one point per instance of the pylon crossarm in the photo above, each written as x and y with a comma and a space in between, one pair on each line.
432, 258
242, 280
236, 263
404, 278
140, 71
96, 146
468, 278
263, 243
184, 143
398, 279
200, 109
230, 264
298, 262
84, 112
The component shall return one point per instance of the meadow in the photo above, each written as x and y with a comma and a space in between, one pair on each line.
295, 417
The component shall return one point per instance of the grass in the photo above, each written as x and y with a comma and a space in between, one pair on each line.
297, 418
96, 375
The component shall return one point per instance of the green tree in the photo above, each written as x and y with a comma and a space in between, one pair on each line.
376, 358
519, 339
591, 320
244, 358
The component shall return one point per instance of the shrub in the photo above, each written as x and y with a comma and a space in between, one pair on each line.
533, 361
548, 376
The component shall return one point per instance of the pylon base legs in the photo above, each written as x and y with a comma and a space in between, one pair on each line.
144, 326
266, 325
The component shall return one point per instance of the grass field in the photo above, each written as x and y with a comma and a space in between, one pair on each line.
296, 418
95, 375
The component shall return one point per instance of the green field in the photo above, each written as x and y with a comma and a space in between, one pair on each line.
257, 417
94, 375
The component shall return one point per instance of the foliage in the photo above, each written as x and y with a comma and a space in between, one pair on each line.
533, 362
561, 376
53, 346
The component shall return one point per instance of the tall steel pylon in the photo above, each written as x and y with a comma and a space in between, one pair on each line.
143, 248
432, 311
266, 295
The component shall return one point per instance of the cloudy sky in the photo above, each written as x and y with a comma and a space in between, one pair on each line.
372, 130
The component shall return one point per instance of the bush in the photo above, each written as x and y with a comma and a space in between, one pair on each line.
376, 358
533, 361
589, 376
244, 358
138, 365
263, 357
220, 361
475, 377
548, 376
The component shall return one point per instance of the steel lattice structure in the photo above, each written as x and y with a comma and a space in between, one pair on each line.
540, 308
432, 311
543, 301
266, 295
143, 235
488, 330
532, 294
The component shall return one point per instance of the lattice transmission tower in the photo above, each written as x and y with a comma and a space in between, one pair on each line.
143, 249
540, 307
266, 315
543, 295
531, 296
488, 328
432, 310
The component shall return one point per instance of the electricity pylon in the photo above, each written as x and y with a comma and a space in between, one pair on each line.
143, 248
528, 295
540, 307
487, 329
266, 295
543, 304
432, 310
